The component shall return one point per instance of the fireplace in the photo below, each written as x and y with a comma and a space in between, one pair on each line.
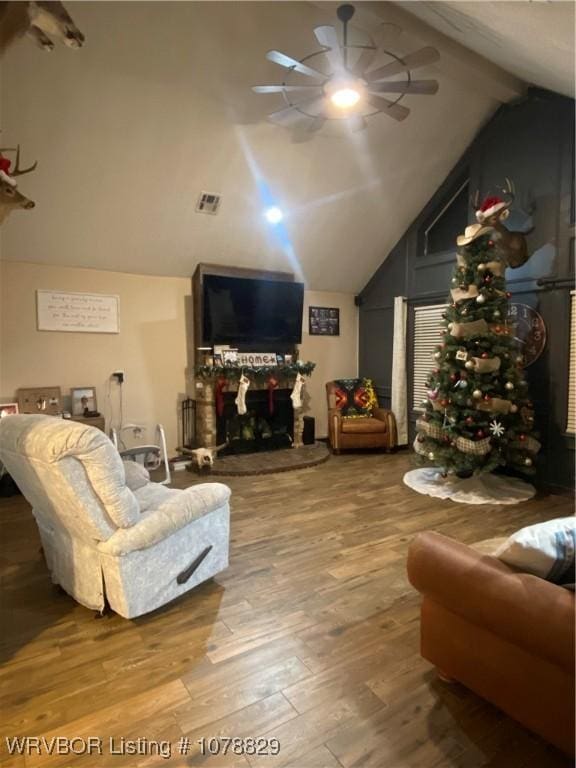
257, 429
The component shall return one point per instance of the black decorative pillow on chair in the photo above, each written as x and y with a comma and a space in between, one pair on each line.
355, 398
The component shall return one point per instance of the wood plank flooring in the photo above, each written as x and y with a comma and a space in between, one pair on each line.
310, 637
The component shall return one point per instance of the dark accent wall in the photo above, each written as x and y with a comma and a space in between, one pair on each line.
532, 142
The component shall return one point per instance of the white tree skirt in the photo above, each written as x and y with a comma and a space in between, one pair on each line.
479, 489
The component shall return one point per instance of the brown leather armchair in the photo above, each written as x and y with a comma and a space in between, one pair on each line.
376, 431
506, 635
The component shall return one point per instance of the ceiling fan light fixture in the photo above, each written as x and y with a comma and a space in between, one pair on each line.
345, 93
344, 98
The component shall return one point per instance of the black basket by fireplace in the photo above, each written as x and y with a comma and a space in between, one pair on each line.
188, 417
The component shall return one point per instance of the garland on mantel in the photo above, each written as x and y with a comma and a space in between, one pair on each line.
259, 374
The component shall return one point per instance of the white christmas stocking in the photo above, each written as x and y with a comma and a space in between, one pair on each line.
296, 395
240, 401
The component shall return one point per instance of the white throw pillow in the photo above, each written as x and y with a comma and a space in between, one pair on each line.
545, 550
137, 475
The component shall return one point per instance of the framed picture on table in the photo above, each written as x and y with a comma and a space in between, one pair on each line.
83, 401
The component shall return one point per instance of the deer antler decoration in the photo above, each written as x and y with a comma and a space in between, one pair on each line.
17, 170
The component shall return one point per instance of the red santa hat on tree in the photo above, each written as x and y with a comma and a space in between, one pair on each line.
5, 171
493, 206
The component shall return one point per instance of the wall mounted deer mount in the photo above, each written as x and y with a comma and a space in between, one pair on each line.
40, 21
10, 198
493, 212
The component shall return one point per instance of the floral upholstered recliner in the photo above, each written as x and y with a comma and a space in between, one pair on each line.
108, 533
354, 418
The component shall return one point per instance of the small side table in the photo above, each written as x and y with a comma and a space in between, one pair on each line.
92, 421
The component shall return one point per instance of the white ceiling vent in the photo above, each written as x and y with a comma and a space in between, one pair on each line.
208, 202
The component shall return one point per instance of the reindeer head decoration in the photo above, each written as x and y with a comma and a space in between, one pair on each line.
10, 198
493, 212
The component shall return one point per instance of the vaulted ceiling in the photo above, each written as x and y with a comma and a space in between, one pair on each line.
157, 107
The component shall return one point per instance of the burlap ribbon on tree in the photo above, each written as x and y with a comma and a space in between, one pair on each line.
486, 365
494, 405
432, 430
529, 444
476, 447
496, 267
458, 294
466, 330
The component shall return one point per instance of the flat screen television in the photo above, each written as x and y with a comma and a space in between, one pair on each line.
243, 311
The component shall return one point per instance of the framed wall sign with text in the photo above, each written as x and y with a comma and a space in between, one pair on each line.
324, 321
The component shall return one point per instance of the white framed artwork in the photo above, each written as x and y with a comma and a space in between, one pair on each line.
77, 312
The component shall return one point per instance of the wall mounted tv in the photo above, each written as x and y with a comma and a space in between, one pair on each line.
241, 311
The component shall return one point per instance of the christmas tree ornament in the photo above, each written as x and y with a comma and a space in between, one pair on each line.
481, 299
522, 437
509, 386
528, 461
469, 420
496, 428
481, 267
479, 434
461, 354
477, 394
437, 355
431, 456
513, 408
469, 364
496, 313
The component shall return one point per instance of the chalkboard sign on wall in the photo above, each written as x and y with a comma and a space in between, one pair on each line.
324, 321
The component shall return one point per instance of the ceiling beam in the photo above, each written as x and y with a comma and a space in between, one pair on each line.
456, 61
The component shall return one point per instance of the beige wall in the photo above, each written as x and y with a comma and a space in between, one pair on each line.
335, 357
151, 347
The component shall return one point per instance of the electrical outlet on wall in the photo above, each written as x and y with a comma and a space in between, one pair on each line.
120, 376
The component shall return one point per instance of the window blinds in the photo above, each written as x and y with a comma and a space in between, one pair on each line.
427, 327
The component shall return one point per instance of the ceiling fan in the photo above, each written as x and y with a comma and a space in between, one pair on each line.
350, 90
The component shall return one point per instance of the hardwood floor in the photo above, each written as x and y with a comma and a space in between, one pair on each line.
310, 637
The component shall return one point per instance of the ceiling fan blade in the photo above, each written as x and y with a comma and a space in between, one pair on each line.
284, 88
287, 61
292, 115
422, 87
386, 37
357, 123
414, 60
328, 37
364, 60
396, 111
316, 124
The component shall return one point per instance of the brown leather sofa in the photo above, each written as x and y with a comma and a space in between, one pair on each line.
376, 431
508, 636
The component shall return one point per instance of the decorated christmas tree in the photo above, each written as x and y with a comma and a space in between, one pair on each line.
478, 415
